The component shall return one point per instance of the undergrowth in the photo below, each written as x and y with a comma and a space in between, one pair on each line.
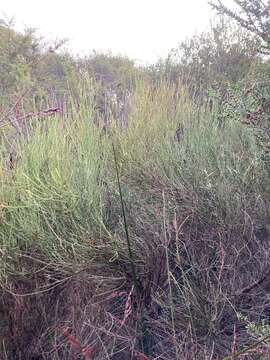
195, 196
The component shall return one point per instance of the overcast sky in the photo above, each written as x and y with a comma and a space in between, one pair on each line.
142, 29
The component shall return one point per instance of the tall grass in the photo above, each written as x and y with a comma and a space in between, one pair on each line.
63, 235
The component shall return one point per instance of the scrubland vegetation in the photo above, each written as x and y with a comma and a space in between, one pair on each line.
134, 201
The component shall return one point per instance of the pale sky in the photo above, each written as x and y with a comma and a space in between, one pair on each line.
142, 29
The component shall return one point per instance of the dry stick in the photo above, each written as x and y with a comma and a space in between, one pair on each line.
11, 109
247, 349
250, 287
145, 346
31, 63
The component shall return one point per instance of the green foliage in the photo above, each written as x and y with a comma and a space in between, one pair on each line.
249, 104
108, 69
17, 51
252, 15
185, 218
28, 66
61, 205
214, 59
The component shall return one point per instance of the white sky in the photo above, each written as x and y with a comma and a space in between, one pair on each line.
142, 29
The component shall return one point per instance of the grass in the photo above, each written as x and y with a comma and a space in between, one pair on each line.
192, 208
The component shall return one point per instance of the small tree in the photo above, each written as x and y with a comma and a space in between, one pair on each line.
253, 15
215, 59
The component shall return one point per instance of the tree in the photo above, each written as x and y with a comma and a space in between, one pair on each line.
214, 59
17, 52
28, 65
252, 15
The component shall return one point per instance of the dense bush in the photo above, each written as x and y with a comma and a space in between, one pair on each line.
215, 59
252, 15
147, 237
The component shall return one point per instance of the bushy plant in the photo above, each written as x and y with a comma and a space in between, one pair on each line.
252, 15
215, 59
192, 203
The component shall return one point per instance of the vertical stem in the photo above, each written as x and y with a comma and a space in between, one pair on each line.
133, 270
169, 277
145, 342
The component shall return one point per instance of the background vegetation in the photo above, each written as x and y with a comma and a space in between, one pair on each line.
134, 201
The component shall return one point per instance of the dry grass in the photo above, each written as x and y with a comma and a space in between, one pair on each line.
197, 213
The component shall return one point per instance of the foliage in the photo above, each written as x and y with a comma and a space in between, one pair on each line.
214, 59
156, 256
252, 15
188, 202
17, 52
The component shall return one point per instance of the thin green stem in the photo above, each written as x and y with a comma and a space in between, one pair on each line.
130, 252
